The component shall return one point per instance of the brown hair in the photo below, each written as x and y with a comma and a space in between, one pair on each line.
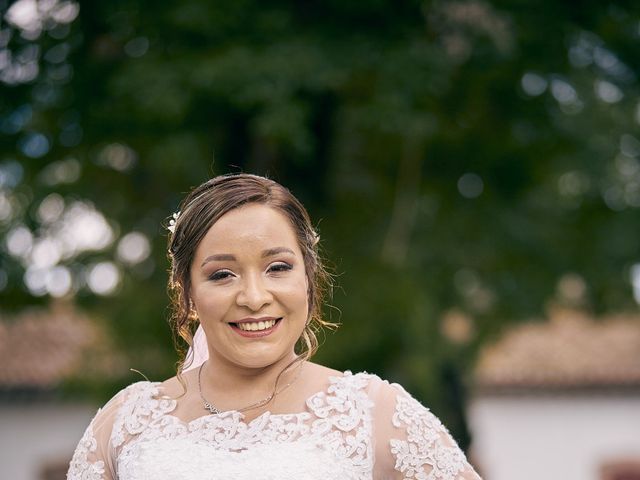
203, 207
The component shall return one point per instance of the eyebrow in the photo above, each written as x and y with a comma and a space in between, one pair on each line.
221, 257
227, 257
276, 251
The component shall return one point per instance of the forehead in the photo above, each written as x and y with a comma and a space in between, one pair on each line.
250, 226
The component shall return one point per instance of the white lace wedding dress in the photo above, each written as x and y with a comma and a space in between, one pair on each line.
359, 427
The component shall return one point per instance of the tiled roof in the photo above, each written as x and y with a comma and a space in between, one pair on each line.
39, 348
570, 350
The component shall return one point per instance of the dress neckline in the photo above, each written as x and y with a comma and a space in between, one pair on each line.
168, 405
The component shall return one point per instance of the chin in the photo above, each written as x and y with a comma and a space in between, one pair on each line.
264, 360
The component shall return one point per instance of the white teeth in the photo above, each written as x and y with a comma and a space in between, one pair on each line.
256, 326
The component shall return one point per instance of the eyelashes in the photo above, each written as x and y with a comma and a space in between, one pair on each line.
278, 267
220, 275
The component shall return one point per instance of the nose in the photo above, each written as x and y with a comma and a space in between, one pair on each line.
253, 293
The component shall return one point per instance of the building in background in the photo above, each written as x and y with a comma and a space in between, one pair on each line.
40, 349
560, 400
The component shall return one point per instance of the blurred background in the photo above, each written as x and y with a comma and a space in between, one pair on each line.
473, 168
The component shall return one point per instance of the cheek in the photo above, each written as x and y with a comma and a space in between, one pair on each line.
208, 301
297, 296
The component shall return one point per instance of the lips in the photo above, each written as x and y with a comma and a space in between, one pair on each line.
256, 327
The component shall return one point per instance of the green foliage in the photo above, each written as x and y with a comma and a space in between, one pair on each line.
459, 156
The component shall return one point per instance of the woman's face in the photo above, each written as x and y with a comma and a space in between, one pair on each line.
249, 287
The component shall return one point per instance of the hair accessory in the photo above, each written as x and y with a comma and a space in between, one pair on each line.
172, 222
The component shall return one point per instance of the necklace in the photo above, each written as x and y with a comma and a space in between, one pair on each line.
211, 408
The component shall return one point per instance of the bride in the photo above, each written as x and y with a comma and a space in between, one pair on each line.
247, 402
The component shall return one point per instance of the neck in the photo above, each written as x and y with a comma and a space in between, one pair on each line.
226, 382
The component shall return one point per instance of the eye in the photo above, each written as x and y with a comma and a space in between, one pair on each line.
220, 275
279, 267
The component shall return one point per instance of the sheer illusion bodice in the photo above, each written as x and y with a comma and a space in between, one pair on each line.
360, 427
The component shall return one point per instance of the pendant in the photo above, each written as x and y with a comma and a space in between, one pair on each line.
213, 410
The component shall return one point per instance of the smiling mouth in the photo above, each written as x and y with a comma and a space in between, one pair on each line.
259, 326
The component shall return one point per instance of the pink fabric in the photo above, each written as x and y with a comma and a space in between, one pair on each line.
199, 352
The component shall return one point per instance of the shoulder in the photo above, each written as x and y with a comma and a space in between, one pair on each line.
367, 390
388, 405
377, 388
131, 409
370, 383
108, 416
125, 396
135, 393
392, 404
395, 403
328, 380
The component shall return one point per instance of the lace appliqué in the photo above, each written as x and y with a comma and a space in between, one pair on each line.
80, 466
332, 439
139, 410
424, 454
344, 419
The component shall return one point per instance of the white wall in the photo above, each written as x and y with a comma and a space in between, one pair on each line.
36, 434
553, 438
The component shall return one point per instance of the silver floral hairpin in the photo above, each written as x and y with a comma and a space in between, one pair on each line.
172, 222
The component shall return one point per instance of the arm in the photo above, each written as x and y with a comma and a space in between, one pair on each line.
93, 458
411, 443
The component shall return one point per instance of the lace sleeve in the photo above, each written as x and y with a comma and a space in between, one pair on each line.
93, 458
411, 443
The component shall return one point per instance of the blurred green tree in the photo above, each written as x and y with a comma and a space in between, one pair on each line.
467, 161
